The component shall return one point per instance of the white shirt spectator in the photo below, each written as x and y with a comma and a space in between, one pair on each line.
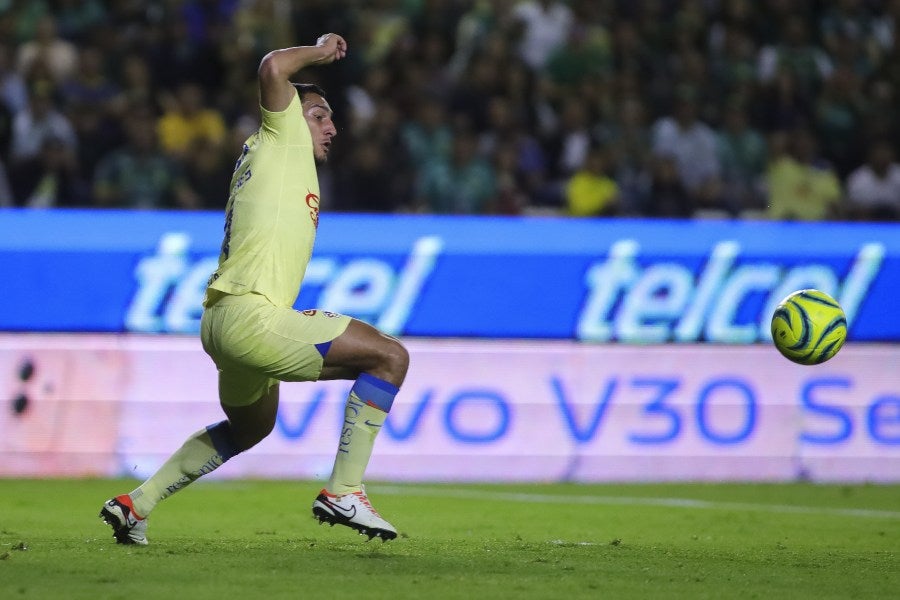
694, 148
547, 26
865, 188
59, 55
30, 130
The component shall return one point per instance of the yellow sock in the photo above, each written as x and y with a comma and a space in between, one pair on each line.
361, 426
202, 453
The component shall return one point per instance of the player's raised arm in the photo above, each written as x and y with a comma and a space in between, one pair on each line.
278, 66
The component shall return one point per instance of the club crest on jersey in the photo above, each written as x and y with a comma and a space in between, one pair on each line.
312, 201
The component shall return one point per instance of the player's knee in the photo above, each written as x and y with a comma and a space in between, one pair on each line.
396, 358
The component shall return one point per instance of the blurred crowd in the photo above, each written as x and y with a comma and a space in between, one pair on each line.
780, 109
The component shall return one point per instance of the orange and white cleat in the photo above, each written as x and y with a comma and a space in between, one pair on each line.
353, 510
127, 527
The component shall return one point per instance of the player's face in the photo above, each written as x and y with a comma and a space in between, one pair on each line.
318, 116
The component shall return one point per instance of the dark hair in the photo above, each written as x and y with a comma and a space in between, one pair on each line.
308, 88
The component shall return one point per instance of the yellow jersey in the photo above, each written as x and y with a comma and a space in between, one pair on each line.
801, 192
272, 211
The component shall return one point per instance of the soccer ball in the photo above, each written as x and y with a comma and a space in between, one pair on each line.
809, 327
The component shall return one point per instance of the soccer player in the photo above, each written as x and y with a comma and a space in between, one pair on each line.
249, 327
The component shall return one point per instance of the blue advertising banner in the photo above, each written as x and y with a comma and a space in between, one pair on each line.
635, 281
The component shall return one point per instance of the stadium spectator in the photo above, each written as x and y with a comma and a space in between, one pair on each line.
13, 90
187, 119
176, 57
21, 19
742, 153
77, 19
592, 191
881, 119
470, 98
91, 84
463, 183
668, 197
847, 24
688, 75
258, 26
838, 118
801, 185
518, 156
733, 55
429, 66
138, 175
585, 53
831, 68
368, 177
782, 104
484, 19
362, 98
58, 55
427, 136
501, 124
631, 53
206, 20
798, 53
137, 85
692, 144
521, 89
399, 169
734, 16
873, 188
567, 146
207, 173
512, 197
545, 26
98, 131
51, 178
628, 137
40, 121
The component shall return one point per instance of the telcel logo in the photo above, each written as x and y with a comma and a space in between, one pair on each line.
171, 286
666, 302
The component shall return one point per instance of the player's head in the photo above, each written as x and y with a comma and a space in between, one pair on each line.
317, 113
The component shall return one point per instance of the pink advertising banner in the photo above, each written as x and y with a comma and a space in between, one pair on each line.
109, 405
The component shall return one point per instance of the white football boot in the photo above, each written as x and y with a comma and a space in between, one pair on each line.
127, 528
353, 510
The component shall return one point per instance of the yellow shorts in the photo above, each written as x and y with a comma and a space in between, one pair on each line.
256, 344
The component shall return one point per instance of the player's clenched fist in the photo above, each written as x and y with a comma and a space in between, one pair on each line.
334, 47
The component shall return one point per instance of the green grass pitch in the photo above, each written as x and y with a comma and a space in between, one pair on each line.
257, 539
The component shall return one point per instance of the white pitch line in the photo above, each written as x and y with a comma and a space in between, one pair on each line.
628, 500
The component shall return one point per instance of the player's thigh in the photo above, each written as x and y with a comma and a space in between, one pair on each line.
240, 387
296, 342
254, 344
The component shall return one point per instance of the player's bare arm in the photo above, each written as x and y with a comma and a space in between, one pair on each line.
278, 66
